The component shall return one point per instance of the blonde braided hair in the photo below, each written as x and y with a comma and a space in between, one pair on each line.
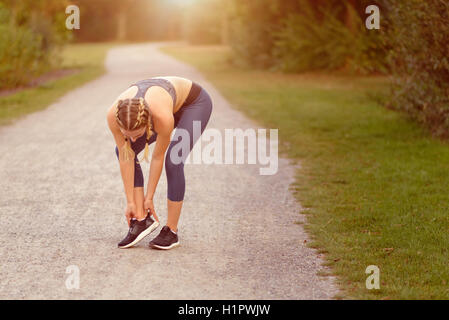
133, 114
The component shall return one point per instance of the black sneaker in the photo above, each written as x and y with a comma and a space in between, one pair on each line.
167, 239
137, 231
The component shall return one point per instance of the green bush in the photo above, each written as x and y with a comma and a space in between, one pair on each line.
20, 55
301, 35
419, 33
317, 37
31, 32
251, 28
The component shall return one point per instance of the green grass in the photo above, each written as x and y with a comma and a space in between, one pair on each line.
374, 183
86, 58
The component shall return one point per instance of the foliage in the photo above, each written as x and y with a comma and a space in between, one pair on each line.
419, 35
128, 20
305, 35
30, 34
20, 55
252, 27
317, 38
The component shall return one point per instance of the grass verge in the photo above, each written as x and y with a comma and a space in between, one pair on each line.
374, 183
87, 58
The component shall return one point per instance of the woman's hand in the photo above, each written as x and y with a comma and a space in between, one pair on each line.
130, 212
149, 205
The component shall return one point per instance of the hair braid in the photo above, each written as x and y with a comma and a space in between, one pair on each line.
136, 115
118, 105
149, 128
127, 151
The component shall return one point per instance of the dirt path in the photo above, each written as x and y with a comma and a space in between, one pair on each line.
62, 204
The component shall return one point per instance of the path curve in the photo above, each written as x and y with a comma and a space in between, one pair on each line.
62, 204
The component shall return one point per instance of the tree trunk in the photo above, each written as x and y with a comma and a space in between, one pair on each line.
121, 25
122, 8
224, 27
349, 17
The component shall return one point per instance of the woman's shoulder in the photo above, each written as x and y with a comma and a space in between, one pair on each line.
111, 118
127, 94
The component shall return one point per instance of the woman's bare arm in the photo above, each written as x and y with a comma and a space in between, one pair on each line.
157, 159
126, 167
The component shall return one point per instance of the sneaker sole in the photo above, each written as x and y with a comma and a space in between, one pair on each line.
155, 246
142, 235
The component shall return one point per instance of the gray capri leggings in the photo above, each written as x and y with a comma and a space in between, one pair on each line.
199, 110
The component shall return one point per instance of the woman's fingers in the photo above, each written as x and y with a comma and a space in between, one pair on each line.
128, 218
130, 212
151, 211
149, 207
155, 216
154, 213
